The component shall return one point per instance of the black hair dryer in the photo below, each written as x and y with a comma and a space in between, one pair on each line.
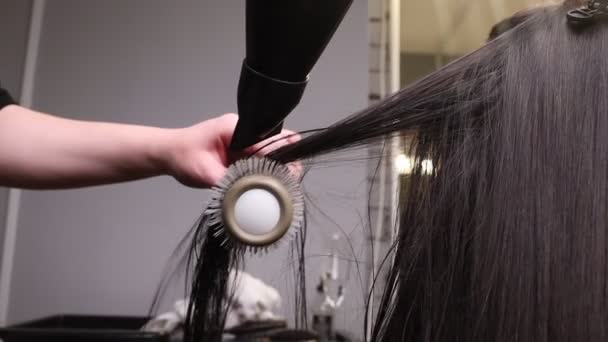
285, 38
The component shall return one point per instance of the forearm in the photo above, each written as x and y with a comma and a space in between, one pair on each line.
43, 151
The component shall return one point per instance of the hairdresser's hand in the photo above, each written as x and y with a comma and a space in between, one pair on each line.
43, 151
200, 154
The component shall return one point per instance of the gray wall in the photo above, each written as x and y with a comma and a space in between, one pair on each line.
101, 250
14, 24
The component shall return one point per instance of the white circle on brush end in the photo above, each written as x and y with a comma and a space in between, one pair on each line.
257, 211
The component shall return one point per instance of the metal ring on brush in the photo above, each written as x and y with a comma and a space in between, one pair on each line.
239, 190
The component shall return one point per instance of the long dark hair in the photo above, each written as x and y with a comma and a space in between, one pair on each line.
505, 240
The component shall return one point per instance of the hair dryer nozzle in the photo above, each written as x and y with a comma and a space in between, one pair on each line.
285, 38
263, 104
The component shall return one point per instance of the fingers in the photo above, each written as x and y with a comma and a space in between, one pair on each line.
296, 168
215, 174
286, 137
225, 126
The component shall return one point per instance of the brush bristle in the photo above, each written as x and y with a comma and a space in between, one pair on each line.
248, 167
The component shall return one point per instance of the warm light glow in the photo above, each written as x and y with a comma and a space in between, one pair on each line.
427, 167
404, 164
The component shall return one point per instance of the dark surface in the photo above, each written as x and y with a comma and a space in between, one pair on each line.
291, 335
5, 98
81, 328
250, 328
77, 328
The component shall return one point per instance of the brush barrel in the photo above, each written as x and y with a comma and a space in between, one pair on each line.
257, 210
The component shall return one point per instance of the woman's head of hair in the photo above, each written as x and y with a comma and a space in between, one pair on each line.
506, 239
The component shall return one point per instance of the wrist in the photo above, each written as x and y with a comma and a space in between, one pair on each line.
162, 151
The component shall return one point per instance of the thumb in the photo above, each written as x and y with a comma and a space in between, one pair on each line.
215, 174
284, 138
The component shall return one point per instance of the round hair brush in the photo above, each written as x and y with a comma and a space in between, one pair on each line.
258, 202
